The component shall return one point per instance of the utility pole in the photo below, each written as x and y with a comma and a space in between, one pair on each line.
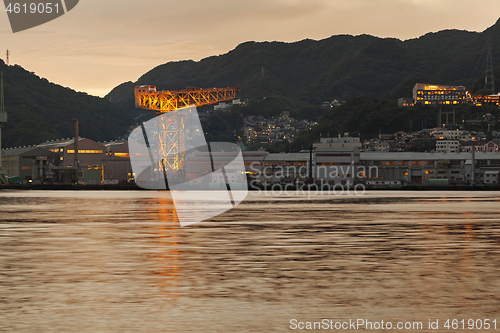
311, 177
75, 121
473, 165
3, 119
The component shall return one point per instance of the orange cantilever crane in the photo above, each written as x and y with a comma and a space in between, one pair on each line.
171, 136
146, 97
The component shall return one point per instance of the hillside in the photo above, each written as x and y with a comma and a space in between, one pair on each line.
39, 110
366, 117
338, 67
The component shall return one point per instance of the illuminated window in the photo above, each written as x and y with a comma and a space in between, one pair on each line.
85, 151
26, 168
122, 155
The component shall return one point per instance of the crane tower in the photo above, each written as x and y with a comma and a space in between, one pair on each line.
171, 137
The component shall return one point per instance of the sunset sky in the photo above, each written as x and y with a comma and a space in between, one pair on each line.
102, 43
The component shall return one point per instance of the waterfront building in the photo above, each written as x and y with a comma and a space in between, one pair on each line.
27, 162
421, 168
283, 168
116, 164
90, 153
332, 163
111, 158
373, 168
337, 165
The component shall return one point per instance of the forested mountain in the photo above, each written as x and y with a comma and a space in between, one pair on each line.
366, 117
294, 76
38, 110
339, 67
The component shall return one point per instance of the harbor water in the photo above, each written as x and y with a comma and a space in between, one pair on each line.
118, 261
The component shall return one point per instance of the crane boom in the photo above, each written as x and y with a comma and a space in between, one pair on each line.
171, 136
147, 97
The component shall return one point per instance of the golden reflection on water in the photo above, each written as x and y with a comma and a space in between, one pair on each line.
119, 262
167, 244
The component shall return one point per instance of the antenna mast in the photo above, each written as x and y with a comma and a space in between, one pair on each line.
489, 81
2, 104
7, 60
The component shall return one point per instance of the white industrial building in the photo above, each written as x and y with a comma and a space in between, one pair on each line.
447, 146
377, 168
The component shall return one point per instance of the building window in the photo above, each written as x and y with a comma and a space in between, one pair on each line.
84, 151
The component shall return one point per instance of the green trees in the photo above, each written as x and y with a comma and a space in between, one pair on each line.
39, 110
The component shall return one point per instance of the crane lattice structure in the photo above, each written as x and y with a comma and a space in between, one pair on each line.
172, 136
489, 81
146, 97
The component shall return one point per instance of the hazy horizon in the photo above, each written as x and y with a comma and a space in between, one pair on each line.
99, 45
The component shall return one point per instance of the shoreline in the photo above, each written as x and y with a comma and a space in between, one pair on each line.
134, 187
